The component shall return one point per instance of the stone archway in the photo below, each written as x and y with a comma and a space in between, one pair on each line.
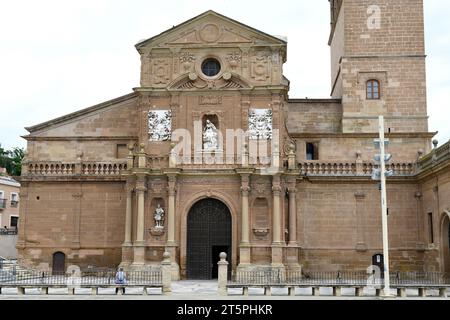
445, 242
208, 233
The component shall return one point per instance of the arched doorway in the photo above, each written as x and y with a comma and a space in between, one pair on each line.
208, 234
59, 263
446, 243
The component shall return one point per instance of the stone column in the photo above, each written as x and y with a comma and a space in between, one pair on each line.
245, 215
292, 216
127, 244
171, 217
244, 247
171, 244
292, 251
277, 244
77, 198
128, 215
360, 209
139, 245
420, 223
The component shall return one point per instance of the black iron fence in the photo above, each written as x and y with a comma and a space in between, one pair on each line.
337, 278
91, 278
8, 231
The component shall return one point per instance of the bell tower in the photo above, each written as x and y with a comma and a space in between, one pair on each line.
378, 64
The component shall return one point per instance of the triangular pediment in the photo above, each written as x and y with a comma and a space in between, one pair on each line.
210, 29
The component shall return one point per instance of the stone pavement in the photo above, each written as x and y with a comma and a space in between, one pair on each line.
200, 290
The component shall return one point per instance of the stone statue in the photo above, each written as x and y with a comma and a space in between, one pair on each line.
210, 137
159, 217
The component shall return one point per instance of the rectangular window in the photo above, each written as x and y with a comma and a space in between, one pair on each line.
312, 151
14, 222
430, 227
2, 200
14, 199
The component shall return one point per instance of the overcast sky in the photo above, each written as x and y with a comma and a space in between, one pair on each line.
57, 57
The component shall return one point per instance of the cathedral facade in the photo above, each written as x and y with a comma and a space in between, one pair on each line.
209, 154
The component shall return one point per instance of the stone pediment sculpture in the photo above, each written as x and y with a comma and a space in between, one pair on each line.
174, 59
210, 28
192, 81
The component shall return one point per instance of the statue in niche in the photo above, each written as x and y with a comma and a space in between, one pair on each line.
159, 217
210, 137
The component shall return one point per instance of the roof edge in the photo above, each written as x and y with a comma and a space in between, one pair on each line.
319, 100
81, 112
144, 42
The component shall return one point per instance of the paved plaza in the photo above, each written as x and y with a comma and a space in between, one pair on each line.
203, 290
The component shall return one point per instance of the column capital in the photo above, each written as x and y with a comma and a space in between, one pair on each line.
276, 190
245, 190
141, 189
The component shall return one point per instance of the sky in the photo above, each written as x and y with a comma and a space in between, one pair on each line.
57, 57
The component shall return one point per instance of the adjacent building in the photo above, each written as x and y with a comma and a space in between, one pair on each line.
9, 215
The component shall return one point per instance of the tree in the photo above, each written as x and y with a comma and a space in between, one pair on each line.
16, 156
12, 160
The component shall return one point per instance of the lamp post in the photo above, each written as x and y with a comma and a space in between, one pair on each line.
381, 174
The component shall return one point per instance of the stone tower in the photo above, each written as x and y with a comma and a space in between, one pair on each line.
378, 64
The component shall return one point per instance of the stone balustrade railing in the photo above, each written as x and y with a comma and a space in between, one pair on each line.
50, 169
103, 169
78, 168
435, 157
317, 168
327, 168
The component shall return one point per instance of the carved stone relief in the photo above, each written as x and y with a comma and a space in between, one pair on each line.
161, 71
160, 125
187, 60
260, 124
234, 59
209, 100
260, 67
210, 33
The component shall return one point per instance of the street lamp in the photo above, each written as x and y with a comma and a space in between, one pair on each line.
380, 173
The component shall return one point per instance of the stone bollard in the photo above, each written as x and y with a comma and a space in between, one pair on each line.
401, 292
223, 274
166, 268
291, 291
337, 291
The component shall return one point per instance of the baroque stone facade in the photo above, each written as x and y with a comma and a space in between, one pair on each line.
299, 196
